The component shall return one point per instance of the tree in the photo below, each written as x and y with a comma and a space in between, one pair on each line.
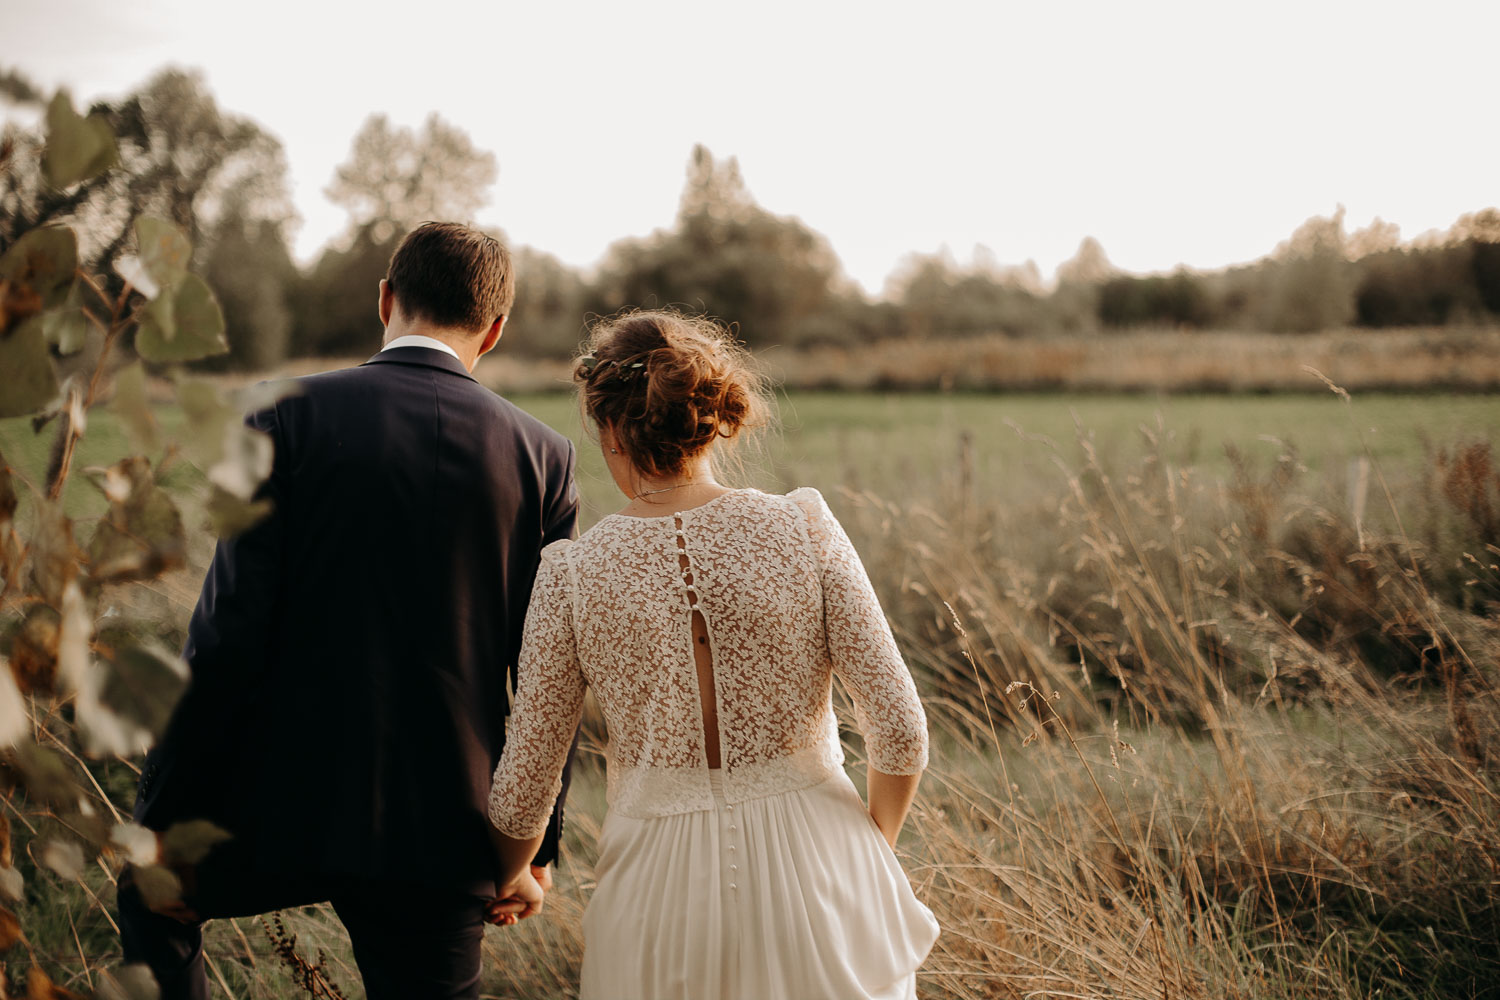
1088, 266
396, 178
252, 273
727, 256
938, 297
1177, 300
1378, 237
1309, 281
335, 310
547, 319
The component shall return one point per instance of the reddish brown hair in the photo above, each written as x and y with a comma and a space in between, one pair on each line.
670, 385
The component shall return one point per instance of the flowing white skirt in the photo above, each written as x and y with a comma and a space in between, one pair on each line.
791, 896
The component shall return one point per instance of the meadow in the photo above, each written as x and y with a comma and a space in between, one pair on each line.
1211, 681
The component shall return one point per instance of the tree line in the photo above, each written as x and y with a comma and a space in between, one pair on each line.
223, 180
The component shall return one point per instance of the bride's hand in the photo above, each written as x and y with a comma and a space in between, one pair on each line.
516, 900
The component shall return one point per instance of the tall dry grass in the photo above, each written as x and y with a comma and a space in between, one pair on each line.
1207, 739
1193, 738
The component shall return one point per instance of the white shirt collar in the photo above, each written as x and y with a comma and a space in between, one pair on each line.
417, 340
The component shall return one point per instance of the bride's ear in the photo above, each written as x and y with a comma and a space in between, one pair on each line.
608, 439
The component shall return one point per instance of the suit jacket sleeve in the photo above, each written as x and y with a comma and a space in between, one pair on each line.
226, 650
561, 522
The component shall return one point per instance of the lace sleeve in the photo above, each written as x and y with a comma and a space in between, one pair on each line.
548, 705
862, 649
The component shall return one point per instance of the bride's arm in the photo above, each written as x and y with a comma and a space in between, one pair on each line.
891, 797
866, 659
543, 719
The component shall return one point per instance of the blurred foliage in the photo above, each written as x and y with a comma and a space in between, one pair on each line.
85, 685
217, 177
1178, 300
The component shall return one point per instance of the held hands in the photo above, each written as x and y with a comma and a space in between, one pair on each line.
519, 898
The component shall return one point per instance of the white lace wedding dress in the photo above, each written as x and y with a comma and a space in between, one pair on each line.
765, 878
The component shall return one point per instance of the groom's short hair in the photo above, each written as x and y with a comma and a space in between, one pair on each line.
452, 276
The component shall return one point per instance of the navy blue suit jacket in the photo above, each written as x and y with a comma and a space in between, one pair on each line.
353, 655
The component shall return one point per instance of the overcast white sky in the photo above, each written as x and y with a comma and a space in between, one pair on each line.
1174, 131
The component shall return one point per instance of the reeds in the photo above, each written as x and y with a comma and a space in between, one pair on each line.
1204, 739
1196, 735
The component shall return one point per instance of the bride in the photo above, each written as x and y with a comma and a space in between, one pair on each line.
737, 859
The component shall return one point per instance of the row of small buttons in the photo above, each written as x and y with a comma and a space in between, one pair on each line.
733, 886
689, 591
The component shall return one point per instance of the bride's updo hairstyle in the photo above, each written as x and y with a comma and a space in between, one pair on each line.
670, 385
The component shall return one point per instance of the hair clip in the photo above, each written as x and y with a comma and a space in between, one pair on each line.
590, 365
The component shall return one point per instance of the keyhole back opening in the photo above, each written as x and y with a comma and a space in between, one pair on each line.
702, 651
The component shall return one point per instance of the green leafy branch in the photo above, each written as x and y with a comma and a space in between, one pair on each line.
72, 687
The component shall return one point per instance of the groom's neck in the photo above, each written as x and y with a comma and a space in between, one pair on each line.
463, 342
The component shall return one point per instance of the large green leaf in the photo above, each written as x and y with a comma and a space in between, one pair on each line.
132, 408
245, 462
8, 499
158, 886
230, 516
54, 551
77, 147
182, 324
67, 328
209, 416
236, 458
188, 842
44, 260
65, 857
46, 775
141, 536
143, 685
27, 379
216, 431
128, 982
165, 250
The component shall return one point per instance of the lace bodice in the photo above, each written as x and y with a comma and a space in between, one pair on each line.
787, 605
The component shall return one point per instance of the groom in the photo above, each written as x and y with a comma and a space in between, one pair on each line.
351, 655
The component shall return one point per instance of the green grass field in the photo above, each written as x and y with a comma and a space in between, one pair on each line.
910, 447
1006, 448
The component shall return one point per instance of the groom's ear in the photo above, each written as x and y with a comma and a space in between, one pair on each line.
387, 302
491, 337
